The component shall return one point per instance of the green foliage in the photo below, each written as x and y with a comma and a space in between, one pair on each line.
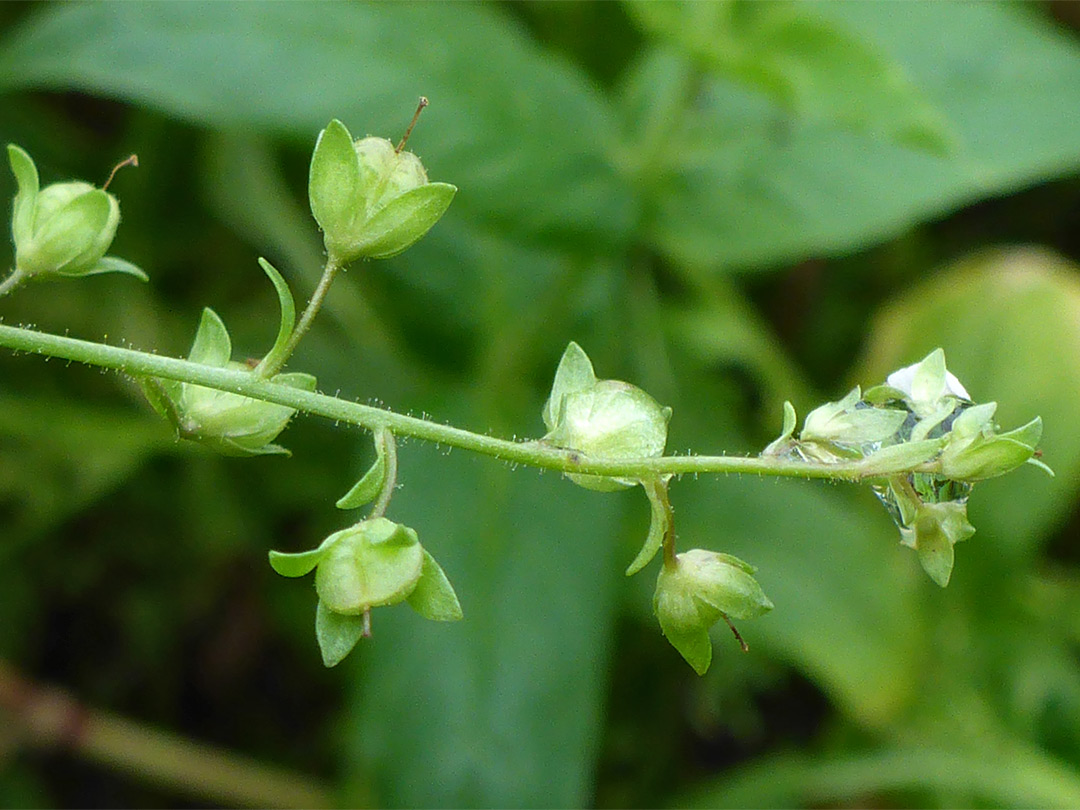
626, 214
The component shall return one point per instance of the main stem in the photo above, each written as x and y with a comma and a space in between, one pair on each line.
532, 453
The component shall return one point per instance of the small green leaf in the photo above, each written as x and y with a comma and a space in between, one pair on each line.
288, 314
112, 264
334, 184
26, 178
658, 526
371, 484
434, 597
1028, 434
402, 221
337, 634
212, 346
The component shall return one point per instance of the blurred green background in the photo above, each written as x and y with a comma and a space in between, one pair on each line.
727, 204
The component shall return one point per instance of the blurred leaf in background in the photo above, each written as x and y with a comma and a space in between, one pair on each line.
725, 203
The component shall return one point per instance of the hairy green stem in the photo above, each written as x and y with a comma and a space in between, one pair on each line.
385, 439
532, 453
330, 271
657, 490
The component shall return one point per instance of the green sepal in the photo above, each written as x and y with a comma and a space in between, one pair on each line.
28, 183
936, 556
300, 563
230, 447
658, 526
985, 459
694, 646
975, 420
904, 456
932, 419
845, 423
1028, 434
434, 597
212, 346
782, 442
973, 455
112, 264
334, 185
371, 484
929, 383
287, 321
882, 395
1046, 468
402, 222
336, 633
575, 373
934, 530
162, 395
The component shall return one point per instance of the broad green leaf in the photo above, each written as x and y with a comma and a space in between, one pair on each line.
514, 693
1010, 324
739, 183
814, 67
1003, 775
526, 131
